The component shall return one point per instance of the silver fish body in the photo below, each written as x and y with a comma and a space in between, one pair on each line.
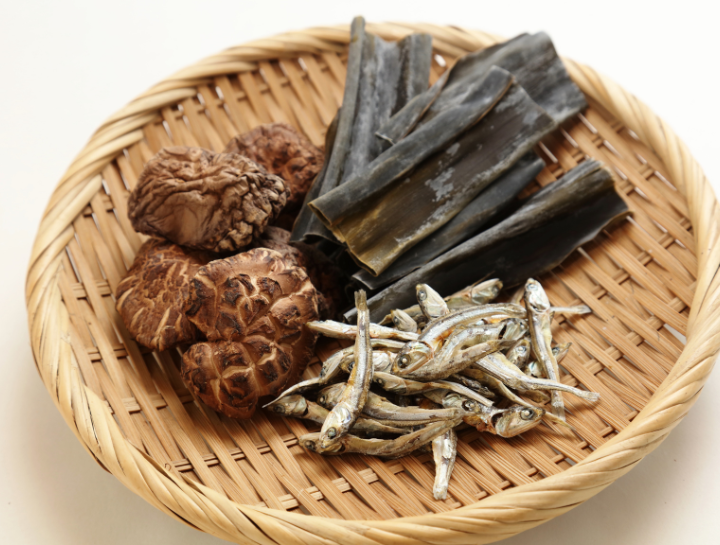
402, 321
539, 319
385, 448
351, 401
433, 306
444, 449
338, 330
405, 387
421, 350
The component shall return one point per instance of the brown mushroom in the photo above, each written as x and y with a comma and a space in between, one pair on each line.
283, 151
252, 308
323, 273
150, 298
205, 200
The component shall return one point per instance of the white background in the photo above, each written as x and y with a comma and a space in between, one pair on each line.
67, 65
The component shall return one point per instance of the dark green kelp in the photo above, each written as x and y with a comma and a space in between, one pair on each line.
381, 78
537, 237
438, 189
484, 208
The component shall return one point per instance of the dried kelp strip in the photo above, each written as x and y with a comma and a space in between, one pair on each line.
306, 221
400, 124
533, 61
381, 78
537, 237
481, 210
477, 101
416, 206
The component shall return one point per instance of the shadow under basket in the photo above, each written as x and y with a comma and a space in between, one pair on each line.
651, 285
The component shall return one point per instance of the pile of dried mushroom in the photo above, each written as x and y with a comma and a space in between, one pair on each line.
447, 363
417, 185
219, 276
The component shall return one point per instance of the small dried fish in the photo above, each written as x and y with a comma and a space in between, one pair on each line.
394, 448
299, 407
444, 449
402, 321
496, 365
533, 368
479, 293
418, 352
540, 318
351, 402
338, 330
432, 305
404, 387
519, 354
475, 386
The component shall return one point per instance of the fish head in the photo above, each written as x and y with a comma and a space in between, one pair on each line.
412, 356
402, 321
560, 351
514, 329
486, 291
516, 420
337, 424
535, 296
431, 302
292, 405
382, 361
328, 397
520, 352
311, 442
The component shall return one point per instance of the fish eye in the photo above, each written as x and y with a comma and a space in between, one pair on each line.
396, 320
379, 381
332, 433
404, 361
468, 405
279, 409
321, 399
527, 414
521, 349
422, 295
532, 287
309, 445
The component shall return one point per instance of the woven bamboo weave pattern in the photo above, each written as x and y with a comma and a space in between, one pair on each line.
650, 283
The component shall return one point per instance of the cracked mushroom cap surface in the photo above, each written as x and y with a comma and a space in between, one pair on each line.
325, 275
205, 200
252, 308
150, 298
283, 151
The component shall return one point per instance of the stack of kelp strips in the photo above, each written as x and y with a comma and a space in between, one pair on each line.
421, 185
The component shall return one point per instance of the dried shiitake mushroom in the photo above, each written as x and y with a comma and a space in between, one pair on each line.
323, 273
283, 151
150, 298
252, 308
205, 200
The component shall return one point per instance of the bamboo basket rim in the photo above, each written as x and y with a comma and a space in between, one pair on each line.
495, 517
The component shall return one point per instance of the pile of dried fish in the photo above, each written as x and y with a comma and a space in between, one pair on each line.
442, 363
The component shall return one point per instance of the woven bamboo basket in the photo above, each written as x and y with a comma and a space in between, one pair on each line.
649, 283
